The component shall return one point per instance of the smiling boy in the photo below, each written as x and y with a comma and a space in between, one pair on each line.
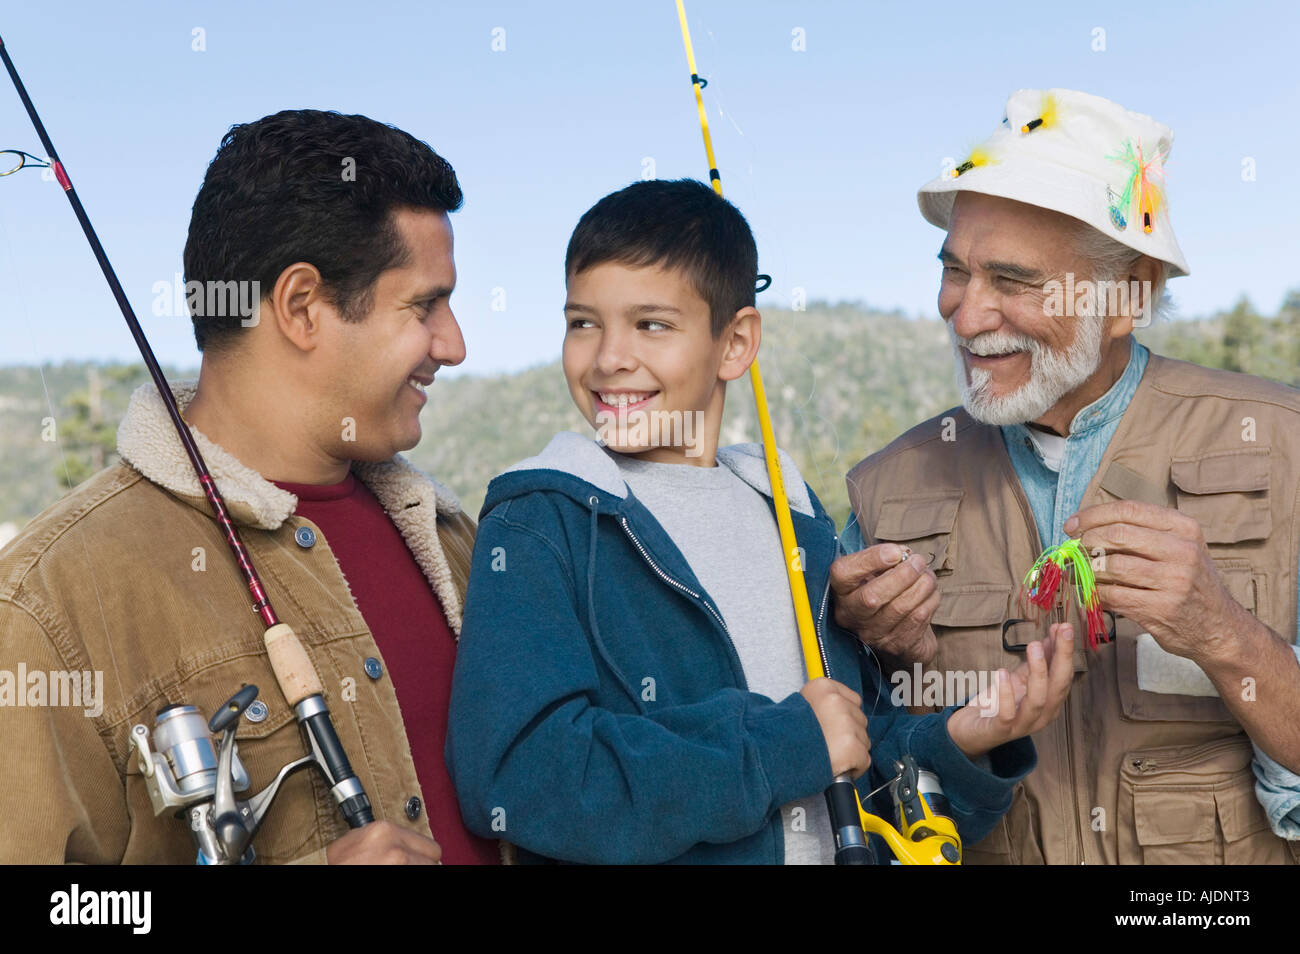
629, 686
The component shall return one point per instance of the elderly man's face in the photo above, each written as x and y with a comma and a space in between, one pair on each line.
1015, 360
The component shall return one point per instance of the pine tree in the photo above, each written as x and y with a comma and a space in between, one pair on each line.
1243, 336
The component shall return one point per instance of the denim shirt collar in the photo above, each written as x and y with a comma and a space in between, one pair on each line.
1107, 409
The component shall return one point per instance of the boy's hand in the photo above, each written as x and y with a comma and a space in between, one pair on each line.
383, 843
886, 596
1022, 701
839, 712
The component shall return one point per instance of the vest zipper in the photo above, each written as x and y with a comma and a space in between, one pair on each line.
1035, 546
1074, 784
689, 592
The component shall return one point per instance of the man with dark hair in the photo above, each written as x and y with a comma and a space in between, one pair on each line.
330, 235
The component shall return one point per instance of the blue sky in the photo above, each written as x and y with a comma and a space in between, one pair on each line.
823, 149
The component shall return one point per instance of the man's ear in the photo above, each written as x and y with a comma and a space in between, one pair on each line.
1143, 278
742, 338
299, 305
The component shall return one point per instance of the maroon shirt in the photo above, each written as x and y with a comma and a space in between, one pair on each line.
409, 626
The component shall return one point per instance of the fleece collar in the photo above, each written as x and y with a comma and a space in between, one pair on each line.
579, 456
147, 440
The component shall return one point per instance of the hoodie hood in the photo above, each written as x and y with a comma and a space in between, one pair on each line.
575, 464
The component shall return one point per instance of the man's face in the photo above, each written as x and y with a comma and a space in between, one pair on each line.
1015, 360
378, 367
637, 343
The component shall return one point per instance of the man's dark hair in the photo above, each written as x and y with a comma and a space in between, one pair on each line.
309, 186
679, 224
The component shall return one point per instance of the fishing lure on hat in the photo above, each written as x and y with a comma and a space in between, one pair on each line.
1143, 191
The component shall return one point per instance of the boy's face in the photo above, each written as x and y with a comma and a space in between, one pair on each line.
638, 348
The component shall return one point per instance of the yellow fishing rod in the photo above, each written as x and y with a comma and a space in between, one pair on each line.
927, 838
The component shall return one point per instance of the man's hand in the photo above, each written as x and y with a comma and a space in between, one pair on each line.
887, 598
383, 843
839, 712
1152, 566
1020, 702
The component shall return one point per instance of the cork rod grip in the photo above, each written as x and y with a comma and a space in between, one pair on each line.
293, 668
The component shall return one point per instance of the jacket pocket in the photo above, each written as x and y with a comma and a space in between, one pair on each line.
290, 827
1194, 805
1227, 494
922, 522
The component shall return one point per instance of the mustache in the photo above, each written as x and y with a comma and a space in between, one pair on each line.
995, 342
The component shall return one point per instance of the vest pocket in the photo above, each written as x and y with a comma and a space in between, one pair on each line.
1014, 840
1226, 492
1194, 805
1140, 705
968, 624
922, 522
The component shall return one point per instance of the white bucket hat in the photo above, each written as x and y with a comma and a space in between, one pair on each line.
1077, 154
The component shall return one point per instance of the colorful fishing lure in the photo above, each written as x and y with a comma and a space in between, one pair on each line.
1144, 196
1048, 113
1067, 562
979, 156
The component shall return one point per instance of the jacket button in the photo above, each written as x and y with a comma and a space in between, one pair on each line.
413, 808
256, 712
374, 669
305, 537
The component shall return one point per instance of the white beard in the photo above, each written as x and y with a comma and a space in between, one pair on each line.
1052, 374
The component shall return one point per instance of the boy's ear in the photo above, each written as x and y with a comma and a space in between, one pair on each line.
740, 339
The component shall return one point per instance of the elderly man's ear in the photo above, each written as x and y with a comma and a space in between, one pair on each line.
1147, 272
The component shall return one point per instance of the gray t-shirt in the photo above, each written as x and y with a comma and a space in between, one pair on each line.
726, 531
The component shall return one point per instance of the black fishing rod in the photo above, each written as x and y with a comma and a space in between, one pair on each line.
293, 667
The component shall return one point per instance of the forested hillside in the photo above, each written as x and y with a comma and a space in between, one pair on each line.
842, 381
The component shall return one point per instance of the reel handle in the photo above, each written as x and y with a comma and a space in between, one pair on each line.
232, 709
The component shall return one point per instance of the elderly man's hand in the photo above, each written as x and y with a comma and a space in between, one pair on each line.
887, 598
1152, 566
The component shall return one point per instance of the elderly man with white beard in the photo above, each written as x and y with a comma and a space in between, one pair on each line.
1180, 740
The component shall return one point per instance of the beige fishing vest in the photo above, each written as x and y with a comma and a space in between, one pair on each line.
1128, 774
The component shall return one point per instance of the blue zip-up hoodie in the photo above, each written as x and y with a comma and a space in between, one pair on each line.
599, 712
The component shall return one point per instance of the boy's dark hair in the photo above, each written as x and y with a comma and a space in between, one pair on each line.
681, 224
309, 186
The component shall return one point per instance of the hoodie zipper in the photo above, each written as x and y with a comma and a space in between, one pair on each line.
821, 613
689, 592
776, 823
821, 638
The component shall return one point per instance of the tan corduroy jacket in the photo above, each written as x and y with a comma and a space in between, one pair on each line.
128, 579
1145, 764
